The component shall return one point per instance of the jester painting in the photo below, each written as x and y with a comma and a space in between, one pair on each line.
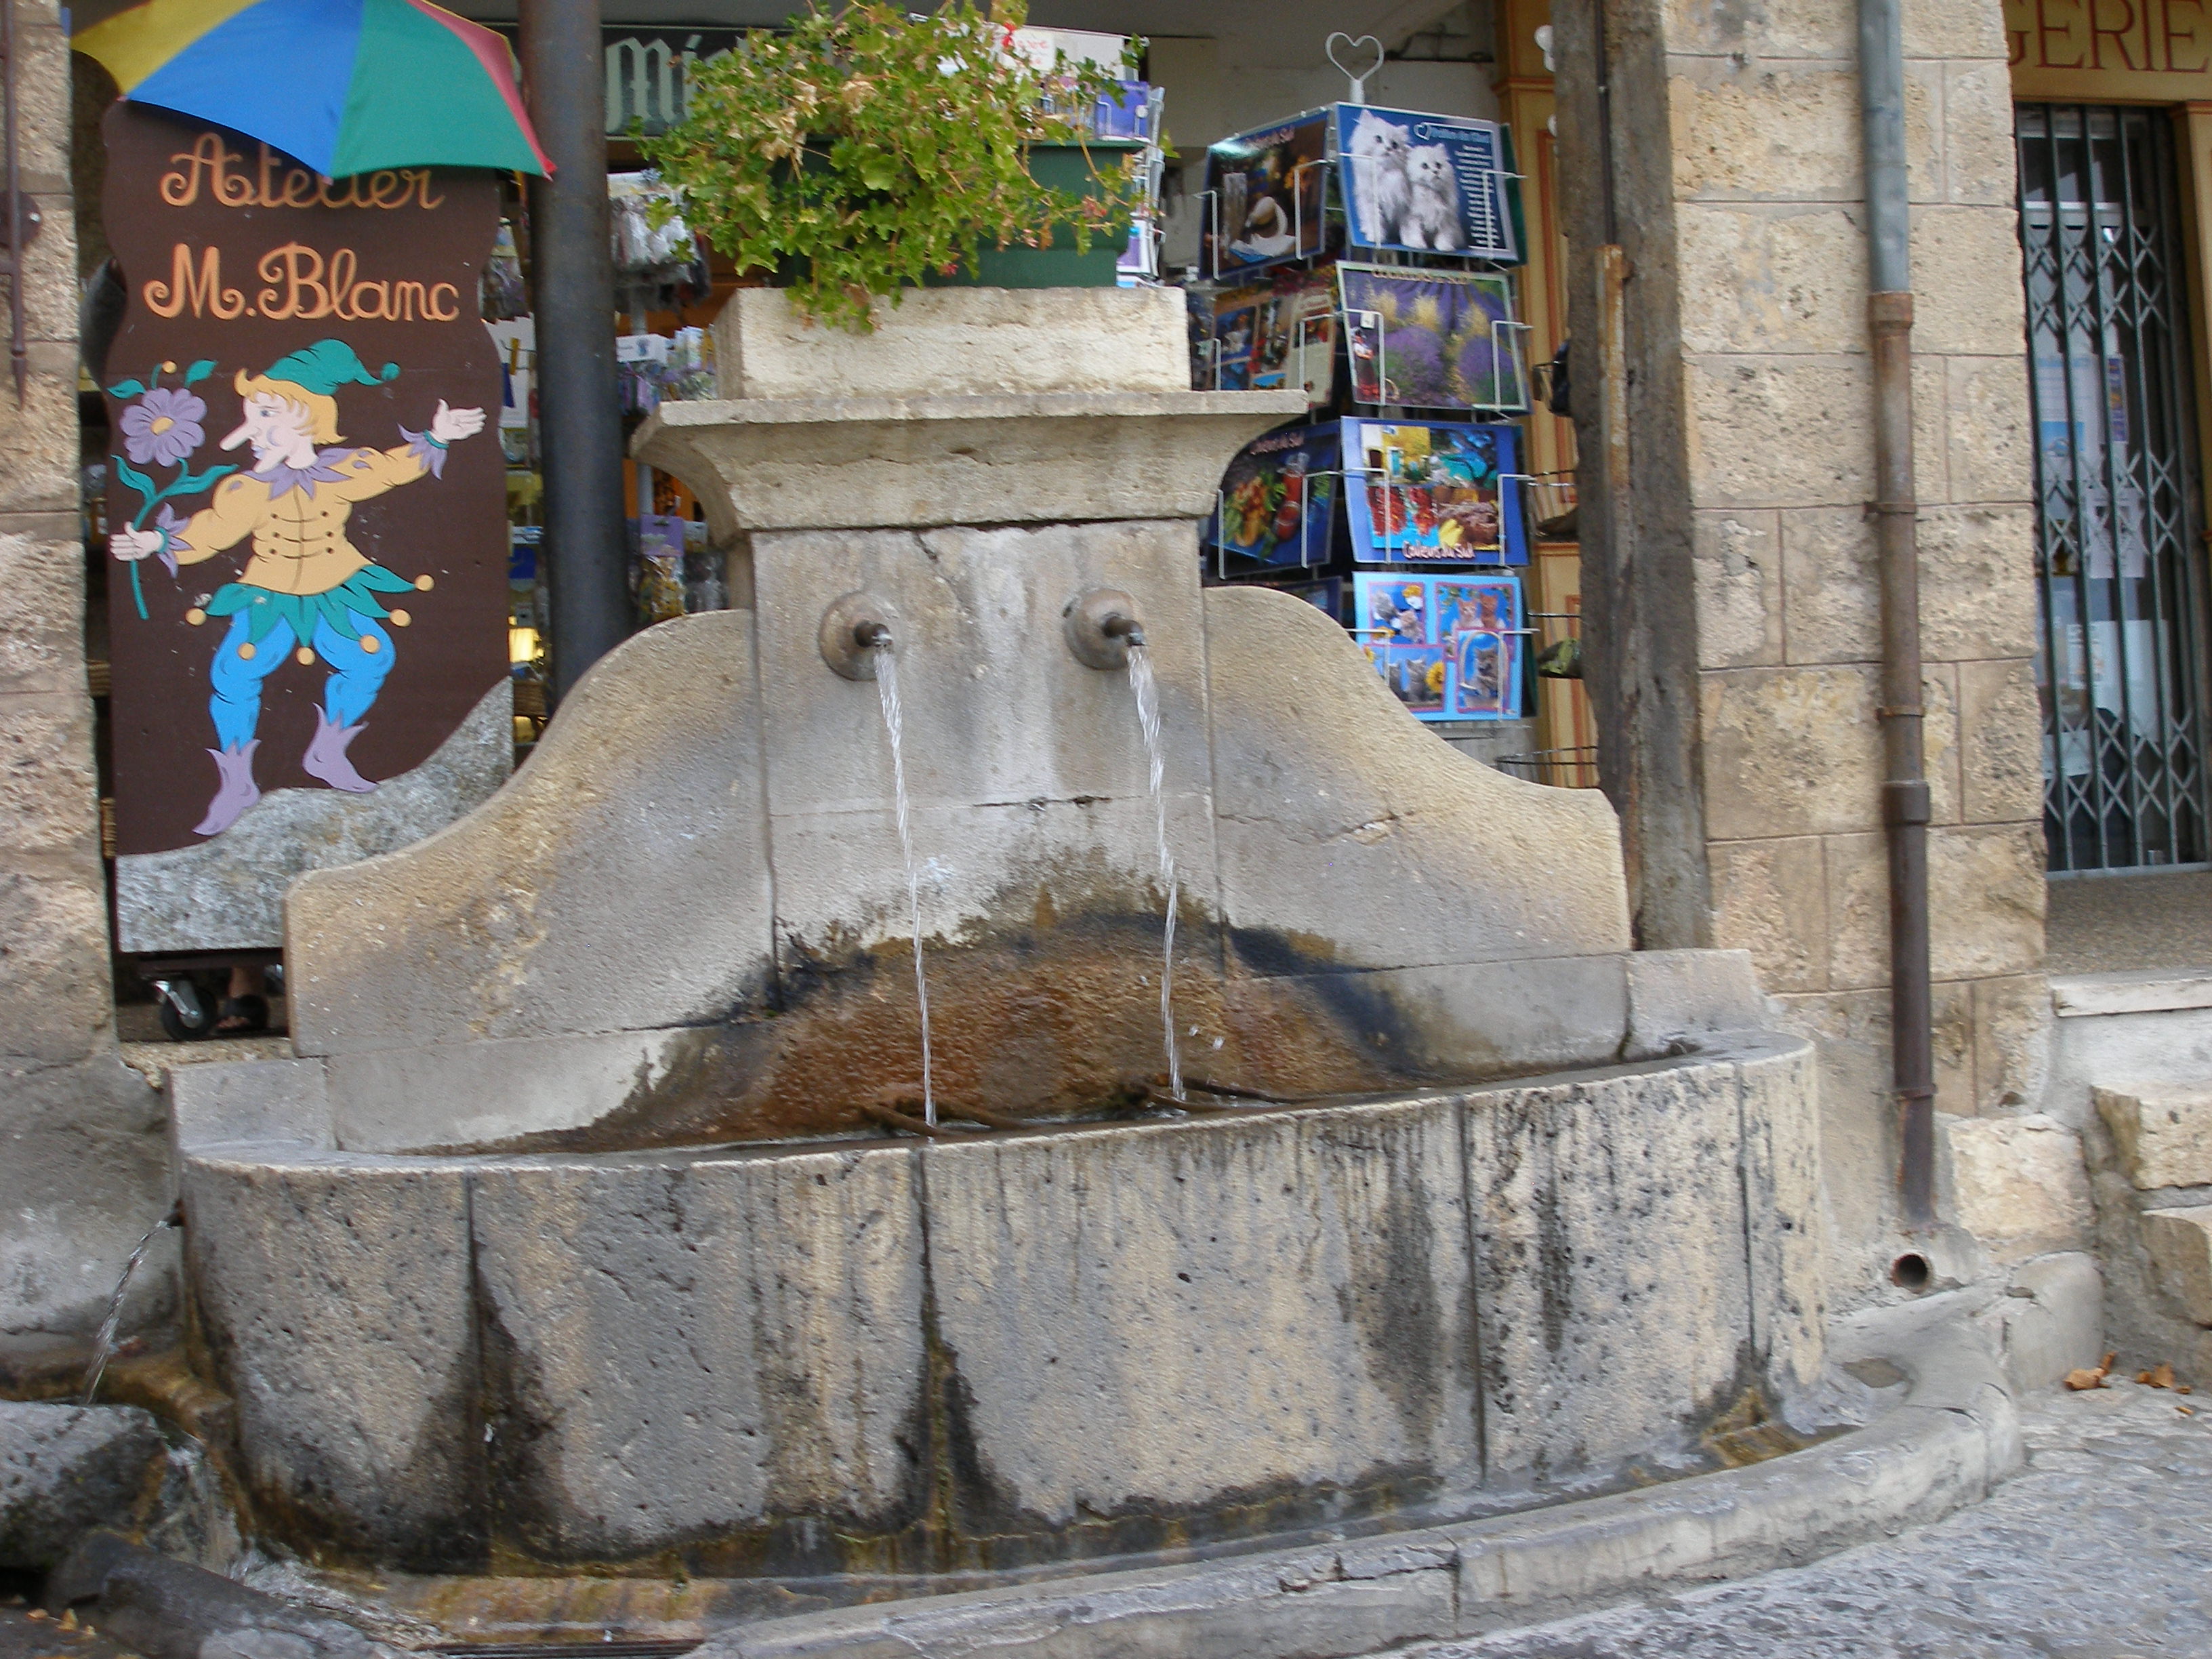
305, 591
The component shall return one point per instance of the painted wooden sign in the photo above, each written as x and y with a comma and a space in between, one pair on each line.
305, 511
2109, 51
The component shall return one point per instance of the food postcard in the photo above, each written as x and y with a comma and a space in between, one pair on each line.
1278, 497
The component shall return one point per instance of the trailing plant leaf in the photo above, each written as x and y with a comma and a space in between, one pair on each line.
866, 150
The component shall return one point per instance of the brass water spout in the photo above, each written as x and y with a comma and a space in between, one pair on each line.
854, 628
1100, 626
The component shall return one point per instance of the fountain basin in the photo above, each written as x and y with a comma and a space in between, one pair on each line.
878, 1357
567, 1245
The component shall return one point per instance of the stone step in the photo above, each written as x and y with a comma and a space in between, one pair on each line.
2163, 1133
2179, 1244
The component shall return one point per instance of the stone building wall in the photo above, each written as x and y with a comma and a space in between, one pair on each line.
81, 1169
1754, 460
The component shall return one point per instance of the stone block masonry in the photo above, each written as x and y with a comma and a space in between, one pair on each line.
82, 1176
1750, 436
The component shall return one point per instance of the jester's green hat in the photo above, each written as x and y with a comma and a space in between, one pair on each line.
325, 366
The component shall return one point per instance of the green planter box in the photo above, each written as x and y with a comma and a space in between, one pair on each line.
1065, 168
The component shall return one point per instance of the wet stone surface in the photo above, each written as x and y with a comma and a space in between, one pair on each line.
2101, 1548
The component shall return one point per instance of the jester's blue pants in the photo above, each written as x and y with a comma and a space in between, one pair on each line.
359, 661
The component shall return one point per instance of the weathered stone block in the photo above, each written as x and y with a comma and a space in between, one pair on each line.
1764, 278
997, 709
1346, 1031
1802, 28
2020, 1185
648, 784
1749, 129
2000, 742
1677, 996
1770, 897
335, 1294
1952, 29
1784, 1211
261, 1100
1080, 1278
1832, 586
2012, 1040
1560, 1286
1345, 824
66, 1469
1991, 437
442, 1096
1739, 592
951, 342
1985, 905
48, 789
1977, 582
55, 969
38, 443
1986, 898
1980, 163
2179, 1242
1790, 751
916, 463
1778, 431
2164, 1134
1967, 297
712, 1350
41, 606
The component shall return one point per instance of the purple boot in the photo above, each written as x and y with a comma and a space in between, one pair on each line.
327, 756
234, 792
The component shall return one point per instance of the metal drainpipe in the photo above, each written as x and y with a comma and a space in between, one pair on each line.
571, 260
1895, 507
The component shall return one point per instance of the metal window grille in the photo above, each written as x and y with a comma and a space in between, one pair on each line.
2119, 662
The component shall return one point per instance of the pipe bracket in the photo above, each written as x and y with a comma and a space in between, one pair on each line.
1905, 801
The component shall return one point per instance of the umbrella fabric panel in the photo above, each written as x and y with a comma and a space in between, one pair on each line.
425, 95
291, 63
343, 86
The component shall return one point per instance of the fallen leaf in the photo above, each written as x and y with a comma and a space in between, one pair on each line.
38, 1612
2186, 1411
2160, 1377
2182, 1388
69, 1617
2079, 1380
2105, 1364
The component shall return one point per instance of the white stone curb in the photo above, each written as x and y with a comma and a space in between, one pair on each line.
1954, 1438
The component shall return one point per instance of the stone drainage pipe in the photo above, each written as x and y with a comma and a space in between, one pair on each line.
1894, 510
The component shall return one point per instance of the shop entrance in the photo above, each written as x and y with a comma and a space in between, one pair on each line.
2119, 662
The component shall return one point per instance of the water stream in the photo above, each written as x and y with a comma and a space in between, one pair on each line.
103, 1343
1148, 722
887, 693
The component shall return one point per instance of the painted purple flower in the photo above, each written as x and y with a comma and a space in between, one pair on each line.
168, 519
163, 427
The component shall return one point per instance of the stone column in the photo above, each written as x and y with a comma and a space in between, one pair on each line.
80, 1160
1750, 563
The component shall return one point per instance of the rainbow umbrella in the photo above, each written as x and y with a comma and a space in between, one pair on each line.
343, 86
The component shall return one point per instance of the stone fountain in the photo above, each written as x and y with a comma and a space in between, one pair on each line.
567, 1244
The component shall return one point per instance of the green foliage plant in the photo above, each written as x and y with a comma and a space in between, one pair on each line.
865, 150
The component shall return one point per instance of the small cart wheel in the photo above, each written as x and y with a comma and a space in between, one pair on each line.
185, 1015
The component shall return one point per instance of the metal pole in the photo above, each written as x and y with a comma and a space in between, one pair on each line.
580, 423
1895, 509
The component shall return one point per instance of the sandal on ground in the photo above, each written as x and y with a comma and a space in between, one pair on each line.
242, 1017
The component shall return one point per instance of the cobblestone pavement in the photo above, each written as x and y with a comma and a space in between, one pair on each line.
2101, 1548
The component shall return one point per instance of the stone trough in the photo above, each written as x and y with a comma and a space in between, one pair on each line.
568, 1245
